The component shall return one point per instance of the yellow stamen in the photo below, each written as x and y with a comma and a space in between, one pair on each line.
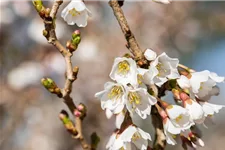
139, 79
123, 67
174, 136
179, 118
74, 12
201, 85
160, 68
134, 97
115, 93
135, 137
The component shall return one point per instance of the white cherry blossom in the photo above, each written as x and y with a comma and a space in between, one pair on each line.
76, 12
207, 88
124, 71
209, 109
201, 84
195, 110
170, 131
131, 136
139, 101
179, 116
112, 97
108, 113
161, 68
111, 141
119, 119
214, 92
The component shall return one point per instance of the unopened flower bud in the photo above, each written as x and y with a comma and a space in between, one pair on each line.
64, 117
76, 40
50, 85
81, 107
71, 47
94, 140
63, 114
76, 32
45, 32
38, 5
75, 71
77, 113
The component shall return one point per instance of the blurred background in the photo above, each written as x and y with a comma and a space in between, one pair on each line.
192, 31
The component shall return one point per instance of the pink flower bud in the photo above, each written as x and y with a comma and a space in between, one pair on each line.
77, 32
77, 113
80, 107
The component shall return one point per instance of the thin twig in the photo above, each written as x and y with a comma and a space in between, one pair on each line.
71, 76
131, 41
186, 68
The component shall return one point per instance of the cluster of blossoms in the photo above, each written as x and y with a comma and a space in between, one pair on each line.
131, 93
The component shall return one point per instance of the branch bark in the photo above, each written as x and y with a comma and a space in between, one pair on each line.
71, 74
160, 139
132, 43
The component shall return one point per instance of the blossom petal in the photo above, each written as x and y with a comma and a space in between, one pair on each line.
150, 54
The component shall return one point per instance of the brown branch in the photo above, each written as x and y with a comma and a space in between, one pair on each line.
186, 68
160, 139
131, 41
133, 46
71, 74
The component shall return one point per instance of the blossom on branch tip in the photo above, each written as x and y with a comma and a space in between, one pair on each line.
119, 119
139, 101
209, 109
76, 12
201, 84
131, 136
124, 71
161, 68
195, 110
112, 97
170, 131
179, 116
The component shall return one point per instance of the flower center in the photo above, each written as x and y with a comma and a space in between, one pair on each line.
139, 79
122, 148
174, 136
179, 118
134, 97
160, 68
74, 12
135, 137
123, 67
115, 93
201, 86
